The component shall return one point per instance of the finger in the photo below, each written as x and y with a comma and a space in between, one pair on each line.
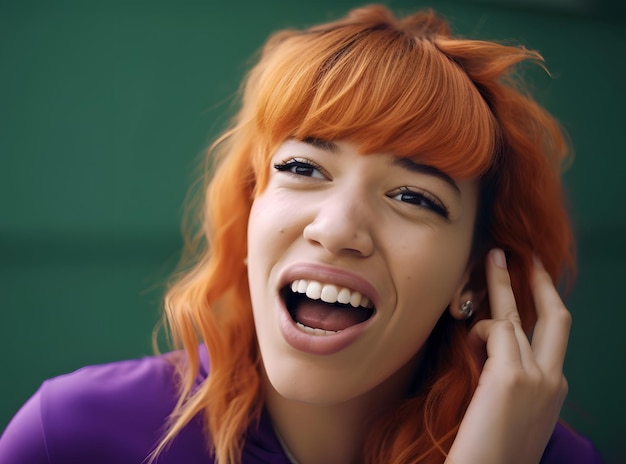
549, 342
501, 298
500, 340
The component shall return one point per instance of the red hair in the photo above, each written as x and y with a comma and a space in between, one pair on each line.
404, 86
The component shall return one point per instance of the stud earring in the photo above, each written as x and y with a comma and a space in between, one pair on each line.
467, 309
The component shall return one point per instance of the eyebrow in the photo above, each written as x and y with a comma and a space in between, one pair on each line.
322, 144
406, 163
412, 166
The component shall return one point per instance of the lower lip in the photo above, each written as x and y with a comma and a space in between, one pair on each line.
323, 345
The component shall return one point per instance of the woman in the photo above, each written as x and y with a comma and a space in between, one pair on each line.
381, 233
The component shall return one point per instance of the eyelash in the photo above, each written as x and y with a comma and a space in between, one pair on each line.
431, 202
291, 166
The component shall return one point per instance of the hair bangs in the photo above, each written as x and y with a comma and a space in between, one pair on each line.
383, 89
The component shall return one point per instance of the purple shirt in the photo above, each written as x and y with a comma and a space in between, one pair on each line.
116, 413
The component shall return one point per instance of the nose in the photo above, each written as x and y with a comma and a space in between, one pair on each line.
342, 225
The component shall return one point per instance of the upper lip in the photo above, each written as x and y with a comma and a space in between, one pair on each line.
330, 275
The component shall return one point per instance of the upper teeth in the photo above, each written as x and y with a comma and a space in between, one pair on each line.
330, 293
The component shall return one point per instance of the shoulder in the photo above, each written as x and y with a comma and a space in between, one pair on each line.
109, 388
566, 445
112, 412
108, 399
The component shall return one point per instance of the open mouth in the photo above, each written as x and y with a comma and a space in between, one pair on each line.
325, 309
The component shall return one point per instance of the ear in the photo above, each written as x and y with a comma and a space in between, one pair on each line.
462, 294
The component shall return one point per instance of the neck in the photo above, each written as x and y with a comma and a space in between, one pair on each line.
333, 434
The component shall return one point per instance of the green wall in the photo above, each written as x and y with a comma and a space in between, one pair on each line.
105, 108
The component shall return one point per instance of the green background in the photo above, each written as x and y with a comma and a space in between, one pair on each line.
105, 108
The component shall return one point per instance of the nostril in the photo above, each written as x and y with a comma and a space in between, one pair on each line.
340, 235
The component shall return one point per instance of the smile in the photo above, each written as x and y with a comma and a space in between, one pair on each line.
324, 309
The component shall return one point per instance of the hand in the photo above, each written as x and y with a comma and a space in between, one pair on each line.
521, 388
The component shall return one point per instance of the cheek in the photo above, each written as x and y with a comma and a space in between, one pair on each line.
263, 224
272, 230
262, 251
276, 222
260, 227
430, 268
264, 231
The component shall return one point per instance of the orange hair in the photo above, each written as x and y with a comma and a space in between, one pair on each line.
404, 86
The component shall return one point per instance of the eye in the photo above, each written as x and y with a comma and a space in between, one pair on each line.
420, 199
301, 167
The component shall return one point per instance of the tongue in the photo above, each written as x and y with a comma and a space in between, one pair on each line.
324, 316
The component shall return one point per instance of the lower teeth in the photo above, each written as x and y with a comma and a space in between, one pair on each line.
313, 331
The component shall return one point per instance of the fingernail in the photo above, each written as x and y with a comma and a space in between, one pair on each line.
498, 258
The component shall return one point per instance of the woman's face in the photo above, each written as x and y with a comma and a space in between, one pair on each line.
352, 259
